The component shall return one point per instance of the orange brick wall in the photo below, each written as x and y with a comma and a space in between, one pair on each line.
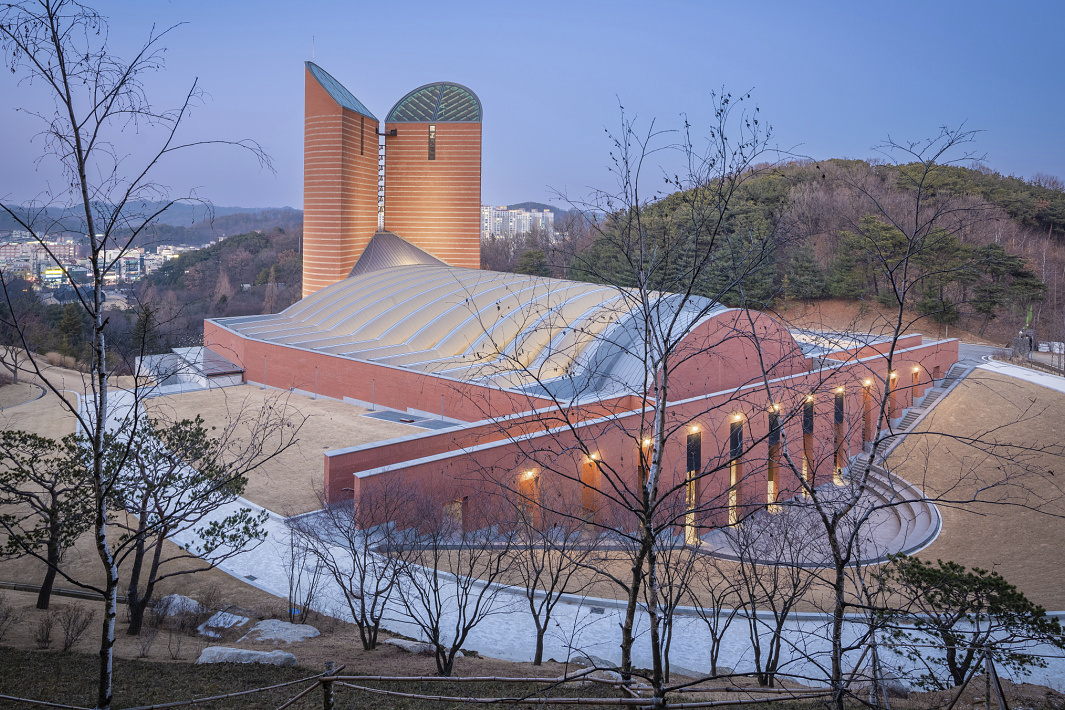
339, 187
436, 204
405, 463
335, 376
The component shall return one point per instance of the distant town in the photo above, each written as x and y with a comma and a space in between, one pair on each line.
51, 263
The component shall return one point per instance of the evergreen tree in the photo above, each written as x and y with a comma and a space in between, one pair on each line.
806, 279
71, 331
533, 263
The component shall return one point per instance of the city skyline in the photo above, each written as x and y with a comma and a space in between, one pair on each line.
832, 80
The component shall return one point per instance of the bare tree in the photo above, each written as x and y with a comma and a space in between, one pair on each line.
715, 595
360, 547
551, 548
670, 264
773, 555
63, 46
901, 244
455, 564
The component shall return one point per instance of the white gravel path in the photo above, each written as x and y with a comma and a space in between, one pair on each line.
581, 625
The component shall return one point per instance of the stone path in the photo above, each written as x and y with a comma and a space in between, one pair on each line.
581, 625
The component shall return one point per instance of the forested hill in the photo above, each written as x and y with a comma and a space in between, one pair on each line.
258, 272
809, 231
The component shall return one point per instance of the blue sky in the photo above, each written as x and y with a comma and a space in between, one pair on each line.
833, 79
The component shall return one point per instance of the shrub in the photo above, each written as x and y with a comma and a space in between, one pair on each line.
42, 635
74, 621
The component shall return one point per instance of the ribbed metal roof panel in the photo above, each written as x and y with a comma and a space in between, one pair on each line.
335, 89
441, 102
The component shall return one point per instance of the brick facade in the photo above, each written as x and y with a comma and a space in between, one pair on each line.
435, 204
340, 173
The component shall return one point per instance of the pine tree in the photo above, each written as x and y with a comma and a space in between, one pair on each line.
806, 279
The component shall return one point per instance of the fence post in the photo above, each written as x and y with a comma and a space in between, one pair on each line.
327, 687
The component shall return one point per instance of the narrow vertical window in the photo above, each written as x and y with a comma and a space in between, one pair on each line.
432, 141
362, 135
916, 384
735, 441
893, 403
867, 413
644, 454
807, 442
695, 466
590, 488
838, 454
529, 495
774, 458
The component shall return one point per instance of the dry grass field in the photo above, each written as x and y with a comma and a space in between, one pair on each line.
1022, 535
287, 484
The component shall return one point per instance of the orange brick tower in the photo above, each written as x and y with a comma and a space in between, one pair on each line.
433, 172
340, 177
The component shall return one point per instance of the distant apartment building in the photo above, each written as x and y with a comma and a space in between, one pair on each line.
505, 222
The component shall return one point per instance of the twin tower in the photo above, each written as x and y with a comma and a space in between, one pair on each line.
423, 182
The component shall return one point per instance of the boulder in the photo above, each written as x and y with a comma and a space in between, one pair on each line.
223, 654
594, 661
174, 604
416, 647
222, 620
895, 686
275, 630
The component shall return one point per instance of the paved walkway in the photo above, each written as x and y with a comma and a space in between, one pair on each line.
1044, 379
588, 625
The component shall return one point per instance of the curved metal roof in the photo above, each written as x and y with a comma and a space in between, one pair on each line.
566, 338
336, 90
441, 102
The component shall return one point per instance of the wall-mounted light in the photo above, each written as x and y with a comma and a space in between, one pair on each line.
737, 417
868, 383
531, 473
646, 442
694, 428
776, 407
916, 368
809, 398
594, 456
894, 374
839, 390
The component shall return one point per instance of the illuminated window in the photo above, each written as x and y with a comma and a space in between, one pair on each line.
432, 141
774, 457
695, 465
735, 470
807, 441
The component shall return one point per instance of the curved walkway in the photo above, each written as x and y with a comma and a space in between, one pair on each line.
895, 517
582, 624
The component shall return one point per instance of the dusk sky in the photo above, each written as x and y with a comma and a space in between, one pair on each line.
833, 79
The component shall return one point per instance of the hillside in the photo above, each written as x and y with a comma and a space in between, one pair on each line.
257, 272
807, 232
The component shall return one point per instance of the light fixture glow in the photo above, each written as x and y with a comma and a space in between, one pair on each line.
809, 398
694, 429
839, 389
868, 383
594, 456
531, 473
894, 374
646, 442
737, 417
916, 368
